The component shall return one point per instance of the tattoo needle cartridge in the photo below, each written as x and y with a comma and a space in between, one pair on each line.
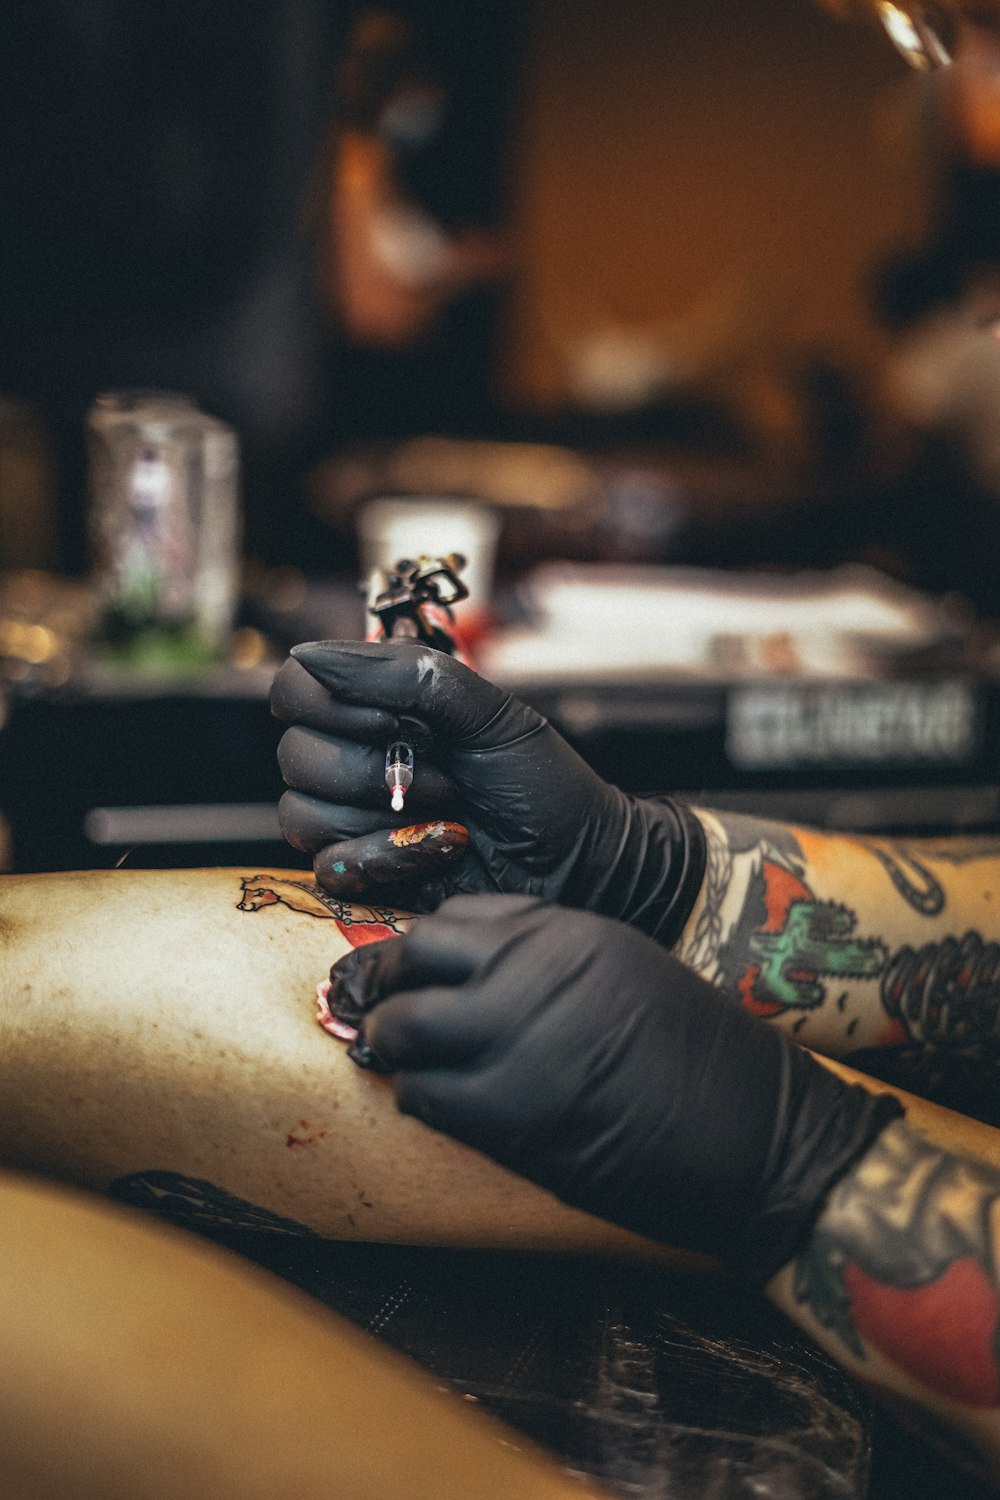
398, 772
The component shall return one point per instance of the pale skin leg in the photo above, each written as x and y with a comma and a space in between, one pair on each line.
148, 1024
139, 1361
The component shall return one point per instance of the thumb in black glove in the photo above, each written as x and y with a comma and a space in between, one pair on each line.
576, 1052
540, 821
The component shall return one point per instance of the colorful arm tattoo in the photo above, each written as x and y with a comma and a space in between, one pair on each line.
805, 928
761, 932
903, 1264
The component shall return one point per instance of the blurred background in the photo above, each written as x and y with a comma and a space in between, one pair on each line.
677, 317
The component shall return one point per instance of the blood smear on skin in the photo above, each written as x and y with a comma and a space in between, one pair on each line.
327, 1019
358, 934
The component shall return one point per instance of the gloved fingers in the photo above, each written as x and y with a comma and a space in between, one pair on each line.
486, 914
436, 1096
405, 677
444, 949
338, 770
362, 978
463, 938
310, 825
427, 1028
391, 861
298, 698
458, 1102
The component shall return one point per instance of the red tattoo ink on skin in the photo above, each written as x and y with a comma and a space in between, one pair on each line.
943, 1333
892, 1034
360, 933
328, 1020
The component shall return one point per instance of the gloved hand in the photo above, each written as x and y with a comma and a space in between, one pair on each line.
581, 1055
539, 820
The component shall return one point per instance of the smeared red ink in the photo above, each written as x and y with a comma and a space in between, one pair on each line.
292, 1139
446, 838
328, 1020
360, 933
892, 1034
943, 1333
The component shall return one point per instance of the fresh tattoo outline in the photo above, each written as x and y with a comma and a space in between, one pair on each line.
305, 896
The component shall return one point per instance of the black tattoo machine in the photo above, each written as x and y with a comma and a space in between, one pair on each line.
413, 600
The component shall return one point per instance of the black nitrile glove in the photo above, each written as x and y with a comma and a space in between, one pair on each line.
581, 1055
539, 820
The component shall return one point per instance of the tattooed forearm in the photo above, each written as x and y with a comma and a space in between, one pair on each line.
735, 848
760, 930
916, 884
802, 927
902, 1268
946, 994
919, 887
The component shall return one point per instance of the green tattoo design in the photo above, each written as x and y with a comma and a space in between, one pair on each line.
785, 944
815, 943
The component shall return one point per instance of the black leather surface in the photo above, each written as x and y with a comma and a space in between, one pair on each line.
656, 1384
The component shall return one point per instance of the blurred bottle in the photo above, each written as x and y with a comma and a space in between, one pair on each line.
165, 527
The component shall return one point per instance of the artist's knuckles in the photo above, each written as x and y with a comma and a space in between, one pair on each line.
297, 824
297, 698
311, 824
449, 695
295, 693
329, 768
386, 679
417, 1029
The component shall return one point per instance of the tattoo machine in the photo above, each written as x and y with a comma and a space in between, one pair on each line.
413, 600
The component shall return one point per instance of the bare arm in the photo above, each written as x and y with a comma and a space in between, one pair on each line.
852, 943
158, 1037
